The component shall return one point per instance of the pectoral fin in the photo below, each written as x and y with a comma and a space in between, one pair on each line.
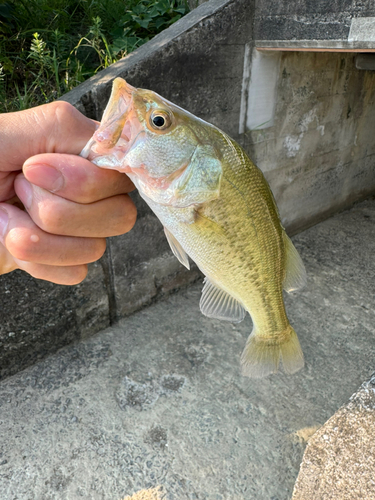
295, 273
218, 304
177, 249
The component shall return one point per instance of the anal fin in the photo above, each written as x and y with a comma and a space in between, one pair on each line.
218, 304
177, 249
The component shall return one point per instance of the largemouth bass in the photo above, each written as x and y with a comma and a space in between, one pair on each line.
217, 208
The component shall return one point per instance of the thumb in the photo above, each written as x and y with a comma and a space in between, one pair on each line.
51, 128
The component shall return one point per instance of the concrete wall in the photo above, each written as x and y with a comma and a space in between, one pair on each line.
315, 148
318, 153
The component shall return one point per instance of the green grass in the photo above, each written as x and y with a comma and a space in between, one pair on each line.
47, 47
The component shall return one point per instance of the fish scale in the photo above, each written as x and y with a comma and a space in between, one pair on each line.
217, 208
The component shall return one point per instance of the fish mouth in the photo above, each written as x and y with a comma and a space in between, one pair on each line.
115, 129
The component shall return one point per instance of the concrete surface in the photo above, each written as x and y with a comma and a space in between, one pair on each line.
362, 28
318, 155
339, 460
307, 19
158, 400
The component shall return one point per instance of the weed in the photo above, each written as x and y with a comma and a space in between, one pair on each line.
47, 47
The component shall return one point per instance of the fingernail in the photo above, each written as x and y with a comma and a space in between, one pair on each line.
45, 176
24, 192
4, 219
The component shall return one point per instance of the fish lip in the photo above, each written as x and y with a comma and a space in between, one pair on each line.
115, 116
115, 131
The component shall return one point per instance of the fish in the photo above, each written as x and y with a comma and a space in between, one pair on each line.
216, 208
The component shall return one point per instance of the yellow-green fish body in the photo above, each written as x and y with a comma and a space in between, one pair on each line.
217, 208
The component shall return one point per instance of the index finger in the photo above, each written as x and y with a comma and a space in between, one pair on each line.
51, 128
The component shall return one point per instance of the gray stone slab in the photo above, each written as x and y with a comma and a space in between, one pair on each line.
339, 460
159, 399
308, 19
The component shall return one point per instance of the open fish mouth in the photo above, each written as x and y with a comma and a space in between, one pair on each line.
115, 130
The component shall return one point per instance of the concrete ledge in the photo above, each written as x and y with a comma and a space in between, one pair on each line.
316, 45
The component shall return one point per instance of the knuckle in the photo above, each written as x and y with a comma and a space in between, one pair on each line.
18, 244
63, 116
62, 109
51, 218
89, 191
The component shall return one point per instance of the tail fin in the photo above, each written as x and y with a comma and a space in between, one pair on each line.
262, 356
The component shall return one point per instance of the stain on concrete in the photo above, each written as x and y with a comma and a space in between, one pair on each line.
151, 494
303, 435
142, 395
156, 437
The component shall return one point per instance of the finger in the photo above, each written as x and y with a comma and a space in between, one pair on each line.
26, 242
75, 178
7, 263
56, 215
6, 185
51, 128
70, 275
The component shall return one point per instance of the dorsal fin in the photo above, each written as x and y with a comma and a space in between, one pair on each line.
218, 304
177, 249
295, 273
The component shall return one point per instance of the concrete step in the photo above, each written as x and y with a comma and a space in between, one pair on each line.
159, 400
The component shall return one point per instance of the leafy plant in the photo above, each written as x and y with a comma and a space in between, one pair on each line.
49, 46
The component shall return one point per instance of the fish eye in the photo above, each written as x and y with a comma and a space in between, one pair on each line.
160, 120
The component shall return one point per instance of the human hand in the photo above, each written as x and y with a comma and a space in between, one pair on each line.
71, 204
